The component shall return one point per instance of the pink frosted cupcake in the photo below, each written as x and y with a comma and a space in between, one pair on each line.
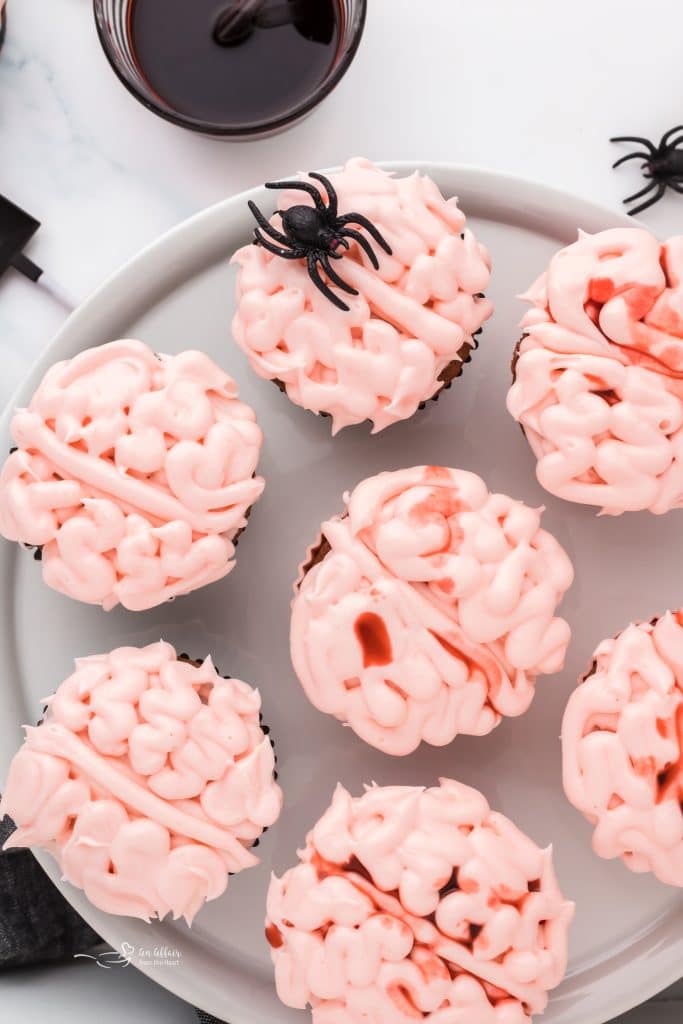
133, 476
428, 609
361, 297
421, 904
622, 742
598, 373
148, 780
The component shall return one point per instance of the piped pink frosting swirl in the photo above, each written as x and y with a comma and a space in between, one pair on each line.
410, 319
147, 780
433, 611
134, 472
599, 379
418, 904
622, 743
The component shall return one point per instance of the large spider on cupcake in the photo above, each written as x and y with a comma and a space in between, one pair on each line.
317, 234
662, 166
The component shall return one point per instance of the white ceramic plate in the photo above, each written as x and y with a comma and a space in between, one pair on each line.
627, 941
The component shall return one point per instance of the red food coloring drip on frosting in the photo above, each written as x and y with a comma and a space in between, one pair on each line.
640, 299
357, 868
274, 936
374, 640
670, 781
424, 954
609, 395
454, 651
664, 264
481, 661
600, 289
593, 310
440, 504
432, 473
403, 1001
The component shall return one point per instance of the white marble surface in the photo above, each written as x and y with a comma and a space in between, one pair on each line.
529, 87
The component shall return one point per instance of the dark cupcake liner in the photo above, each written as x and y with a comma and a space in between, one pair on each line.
455, 368
513, 367
315, 554
515, 357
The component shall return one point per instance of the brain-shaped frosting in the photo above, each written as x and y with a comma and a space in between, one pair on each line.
622, 742
418, 904
599, 379
411, 319
432, 610
133, 472
148, 780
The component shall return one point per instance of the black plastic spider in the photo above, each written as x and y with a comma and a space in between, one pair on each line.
316, 234
663, 166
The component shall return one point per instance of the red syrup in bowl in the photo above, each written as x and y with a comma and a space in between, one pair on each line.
234, 62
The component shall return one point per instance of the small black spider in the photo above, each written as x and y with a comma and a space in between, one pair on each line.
663, 166
316, 234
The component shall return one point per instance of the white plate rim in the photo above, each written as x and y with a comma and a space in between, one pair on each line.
625, 986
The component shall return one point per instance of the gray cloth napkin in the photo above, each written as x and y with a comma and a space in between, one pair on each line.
37, 925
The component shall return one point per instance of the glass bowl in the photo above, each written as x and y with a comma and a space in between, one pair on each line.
112, 18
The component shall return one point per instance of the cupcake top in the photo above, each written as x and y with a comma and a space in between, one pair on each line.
410, 318
134, 472
418, 903
599, 379
622, 743
148, 779
430, 609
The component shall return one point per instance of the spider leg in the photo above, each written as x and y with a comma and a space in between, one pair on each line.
332, 201
301, 186
672, 146
363, 243
650, 202
267, 226
358, 218
677, 186
320, 284
285, 254
665, 138
636, 138
637, 195
630, 156
338, 255
334, 276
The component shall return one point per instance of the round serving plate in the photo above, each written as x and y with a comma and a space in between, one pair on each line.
627, 939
